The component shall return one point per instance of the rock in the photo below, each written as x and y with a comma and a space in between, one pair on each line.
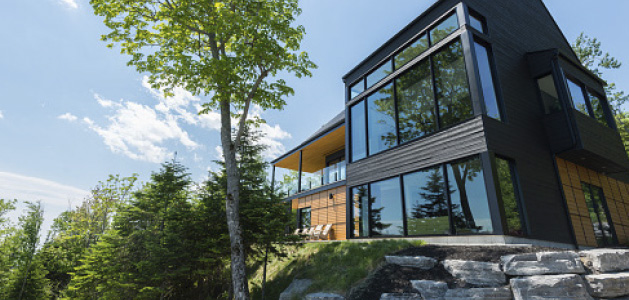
555, 287
542, 263
503, 293
400, 297
430, 290
608, 285
482, 274
296, 287
324, 296
606, 260
420, 262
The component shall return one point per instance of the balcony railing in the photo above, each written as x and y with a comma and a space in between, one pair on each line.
288, 183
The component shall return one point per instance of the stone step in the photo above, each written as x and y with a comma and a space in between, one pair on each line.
420, 262
296, 287
430, 290
482, 274
407, 296
542, 263
608, 285
324, 296
606, 260
503, 293
551, 287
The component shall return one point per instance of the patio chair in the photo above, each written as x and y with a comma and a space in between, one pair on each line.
317, 232
326, 232
297, 231
308, 232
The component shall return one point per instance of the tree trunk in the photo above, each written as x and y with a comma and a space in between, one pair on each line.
465, 203
266, 259
232, 207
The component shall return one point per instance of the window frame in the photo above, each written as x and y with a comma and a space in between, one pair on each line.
587, 91
480, 18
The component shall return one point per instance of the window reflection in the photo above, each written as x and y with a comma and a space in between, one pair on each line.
487, 81
358, 132
426, 203
360, 205
416, 104
470, 207
477, 23
550, 99
304, 218
510, 201
357, 88
380, 73
455, 104
386, 208
445, 28
381, 120
411, 51
599, 215
578, 98
597, 109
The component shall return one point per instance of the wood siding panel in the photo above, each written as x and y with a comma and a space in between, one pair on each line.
615, 193
326, 211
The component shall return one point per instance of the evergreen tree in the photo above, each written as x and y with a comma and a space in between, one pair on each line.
7, 246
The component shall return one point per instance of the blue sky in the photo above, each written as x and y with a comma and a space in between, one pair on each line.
72, 112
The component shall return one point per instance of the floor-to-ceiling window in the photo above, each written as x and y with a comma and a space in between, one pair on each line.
599, 215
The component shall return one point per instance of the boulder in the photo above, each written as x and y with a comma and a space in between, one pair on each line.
503, 293
430, 290
419, 262
296, 287
324, 296
482, 274
542, 263
606, 260
400, 297
555, 287
608, 285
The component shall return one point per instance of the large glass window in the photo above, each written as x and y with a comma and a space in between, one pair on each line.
578, 98
411, 51
426, 203
381, 120
360, 206
455, 104
359, 134
550, 99
599, 215
477, 22
470, 207
510, 197
444, 29
357, 88
487, 81
386, 208
416, 104
380, 73
597, 109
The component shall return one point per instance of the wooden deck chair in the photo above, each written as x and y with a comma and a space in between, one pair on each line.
297, 231
326, 232
317, 232
308, 232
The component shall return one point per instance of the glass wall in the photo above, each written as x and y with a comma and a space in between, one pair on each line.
381, 120
411, 51
453, 96
380, 73
470, 206
357, 88
416, 102
426, 203
285, 181
358, 131
510, 197
587, 102
444, 29
490, 97
441, 200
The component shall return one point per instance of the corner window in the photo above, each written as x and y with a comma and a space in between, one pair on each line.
490, 97
357, 88
470, 206
478, 22
597, 108
416, 102
444, 29
510, 197
358, 131
381, 120
578, 97
548, 91
453, 96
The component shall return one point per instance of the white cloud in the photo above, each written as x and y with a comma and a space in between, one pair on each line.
69, 3
68, 117
142, 132
1, 115
219, 153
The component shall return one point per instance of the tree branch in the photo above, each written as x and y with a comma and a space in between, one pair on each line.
245, 112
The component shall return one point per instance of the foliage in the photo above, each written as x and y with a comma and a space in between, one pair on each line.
333, 267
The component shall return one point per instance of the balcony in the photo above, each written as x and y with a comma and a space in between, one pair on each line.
316, 163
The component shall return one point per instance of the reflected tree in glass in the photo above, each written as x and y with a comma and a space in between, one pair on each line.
381, 120
473, 216
443, 29
509, 197
416, 104
411, 51
597, 109
426, 202
453, 96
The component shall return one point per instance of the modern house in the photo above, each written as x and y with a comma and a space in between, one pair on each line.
476, 123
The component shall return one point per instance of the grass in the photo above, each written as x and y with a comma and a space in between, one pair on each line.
333, 267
